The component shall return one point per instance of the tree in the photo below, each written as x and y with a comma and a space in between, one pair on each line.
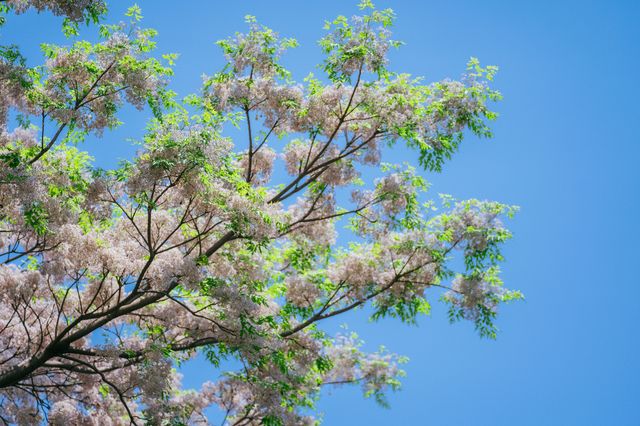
111, 278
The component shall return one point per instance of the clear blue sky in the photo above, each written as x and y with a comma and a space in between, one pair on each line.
566, 149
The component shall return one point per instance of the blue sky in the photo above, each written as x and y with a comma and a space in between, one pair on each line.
565, 150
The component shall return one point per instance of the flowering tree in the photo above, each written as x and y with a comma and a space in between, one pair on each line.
110, 279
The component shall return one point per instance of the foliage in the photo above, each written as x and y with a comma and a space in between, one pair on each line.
111, 279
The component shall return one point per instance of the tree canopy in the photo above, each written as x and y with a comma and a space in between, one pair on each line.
112, 278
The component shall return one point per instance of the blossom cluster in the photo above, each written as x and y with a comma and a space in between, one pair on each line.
76, 10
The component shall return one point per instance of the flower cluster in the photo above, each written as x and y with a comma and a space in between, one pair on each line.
301, 292
357, 45
75, 10
88, 83
375, 372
